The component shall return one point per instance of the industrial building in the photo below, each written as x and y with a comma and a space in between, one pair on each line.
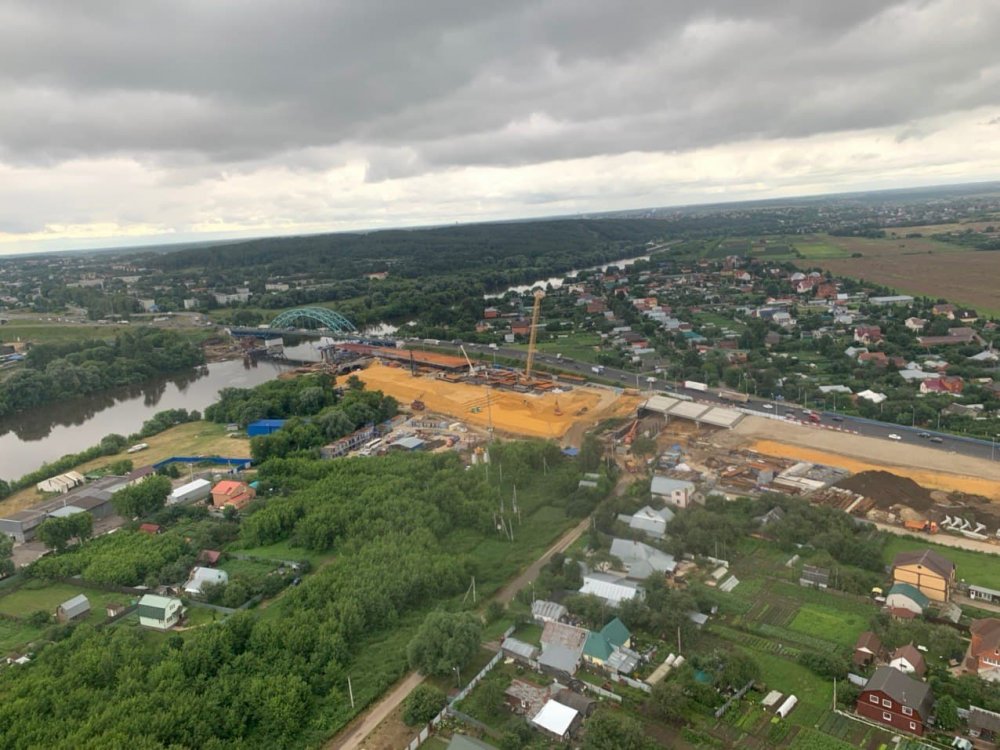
93, 498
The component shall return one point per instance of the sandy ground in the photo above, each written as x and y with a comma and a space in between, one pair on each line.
193, 438
936, 469
532, 415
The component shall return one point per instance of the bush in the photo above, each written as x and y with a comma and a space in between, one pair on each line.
422, 705
39, 618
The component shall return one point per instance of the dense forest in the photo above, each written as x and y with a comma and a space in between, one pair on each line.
408, 532
56, 371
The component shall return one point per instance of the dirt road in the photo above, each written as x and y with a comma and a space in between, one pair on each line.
508, 592
353, 737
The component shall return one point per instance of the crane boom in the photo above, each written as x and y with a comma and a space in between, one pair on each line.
535, 311
472, 370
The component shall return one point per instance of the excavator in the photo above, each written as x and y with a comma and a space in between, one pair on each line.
632, 432
417, 404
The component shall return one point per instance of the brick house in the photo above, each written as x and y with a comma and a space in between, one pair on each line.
898, 701
952, 384
867, 335
983, 655
932, 574
866, 649
230, 492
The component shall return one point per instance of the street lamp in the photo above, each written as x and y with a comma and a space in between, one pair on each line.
458, 676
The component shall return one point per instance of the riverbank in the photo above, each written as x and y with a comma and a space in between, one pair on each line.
193, 438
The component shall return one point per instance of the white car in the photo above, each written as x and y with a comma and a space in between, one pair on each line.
766, 406
894, 436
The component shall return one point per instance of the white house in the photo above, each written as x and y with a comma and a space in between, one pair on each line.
159, 612
676, 492
649, 521
556, 719
612, 589
640, 560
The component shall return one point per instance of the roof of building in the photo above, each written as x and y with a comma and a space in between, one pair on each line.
649, 520
910, 592
611, 589
229, 485
76, 606
666, 485
197, 484
560, 658
410, 442
557, 633
519, 648
980, 718
869, 642
641, 560
267, 423
580, 702
548, 610
555, 718
66, 511
927, 558
622, 660
985, 635
910, 653
903, 689
597, 647
616, 632
200, 576
154, 600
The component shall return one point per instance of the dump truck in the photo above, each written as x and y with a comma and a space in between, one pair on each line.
928, 527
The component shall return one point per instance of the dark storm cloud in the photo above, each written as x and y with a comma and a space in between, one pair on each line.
416, 86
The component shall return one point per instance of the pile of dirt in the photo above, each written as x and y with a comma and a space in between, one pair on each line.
886, 489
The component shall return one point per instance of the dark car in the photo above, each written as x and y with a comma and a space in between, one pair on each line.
837, 419
937, 440
923, 435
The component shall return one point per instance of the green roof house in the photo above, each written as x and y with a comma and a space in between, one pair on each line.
600, 646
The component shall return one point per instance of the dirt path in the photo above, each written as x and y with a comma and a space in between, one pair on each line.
355, 734
508, 592
353, 737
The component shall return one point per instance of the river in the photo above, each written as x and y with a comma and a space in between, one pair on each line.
557, 281
29, 439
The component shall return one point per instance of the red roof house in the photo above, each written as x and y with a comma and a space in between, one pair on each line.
230, 492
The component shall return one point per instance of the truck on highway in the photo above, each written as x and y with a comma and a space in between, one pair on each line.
597, 369
740, 398
928, 527
694, 385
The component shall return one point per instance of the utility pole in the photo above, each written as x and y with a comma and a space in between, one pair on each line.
350, 690
678, 640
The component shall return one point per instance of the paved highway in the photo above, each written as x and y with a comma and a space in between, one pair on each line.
867, 427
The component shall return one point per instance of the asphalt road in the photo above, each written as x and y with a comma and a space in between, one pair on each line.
867, 427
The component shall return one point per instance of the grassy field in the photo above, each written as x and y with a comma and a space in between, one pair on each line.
32, 597
828, 623
15, 635
250, 569
918, 266
816, 248
575, 346
43, 332
975, 567
285, 551
193, 438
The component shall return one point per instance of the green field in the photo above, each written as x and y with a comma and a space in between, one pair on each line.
820, 249
250, 569
49, 333
978, 568
32, 597
575, 346
828, 623
284, 551
14, 635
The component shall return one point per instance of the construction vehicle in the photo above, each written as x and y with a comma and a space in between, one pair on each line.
417, 404
536, 311
928, 527
472, 370
558, 412
632, 432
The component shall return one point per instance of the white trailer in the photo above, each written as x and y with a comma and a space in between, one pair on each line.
694, 385
192, 492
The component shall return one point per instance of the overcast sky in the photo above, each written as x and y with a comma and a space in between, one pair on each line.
125, 122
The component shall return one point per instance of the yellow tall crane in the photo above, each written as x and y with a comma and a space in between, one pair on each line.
535, 312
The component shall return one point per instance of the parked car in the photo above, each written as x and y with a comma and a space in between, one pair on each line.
924, 435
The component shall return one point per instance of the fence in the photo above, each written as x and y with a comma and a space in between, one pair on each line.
637, 684
739, 694
601, 692
464, 692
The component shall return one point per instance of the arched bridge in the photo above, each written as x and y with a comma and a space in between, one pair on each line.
325, 317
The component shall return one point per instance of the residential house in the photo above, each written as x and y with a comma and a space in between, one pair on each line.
652, 523
952, 385
946, 309
562, 649
612, 589
915, 324
867, 335
518, 650
610, 648
896, 700
526, 698
491, 313
201, 576
159, 612
557, 720
866, 649
520, 327
544, 611
955, 337
676, 492
209, 557
873, 396
909, 660
984, 725
150, 528
930, 572
982, 658
879, 359
967, 316
906, 601
640, 560
231, 492
73, 609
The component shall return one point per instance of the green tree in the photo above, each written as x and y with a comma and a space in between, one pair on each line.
445, 642
56, 533
591, 453
6, 550
422, 705
946, 713
142, 499
669, 701
605, 731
